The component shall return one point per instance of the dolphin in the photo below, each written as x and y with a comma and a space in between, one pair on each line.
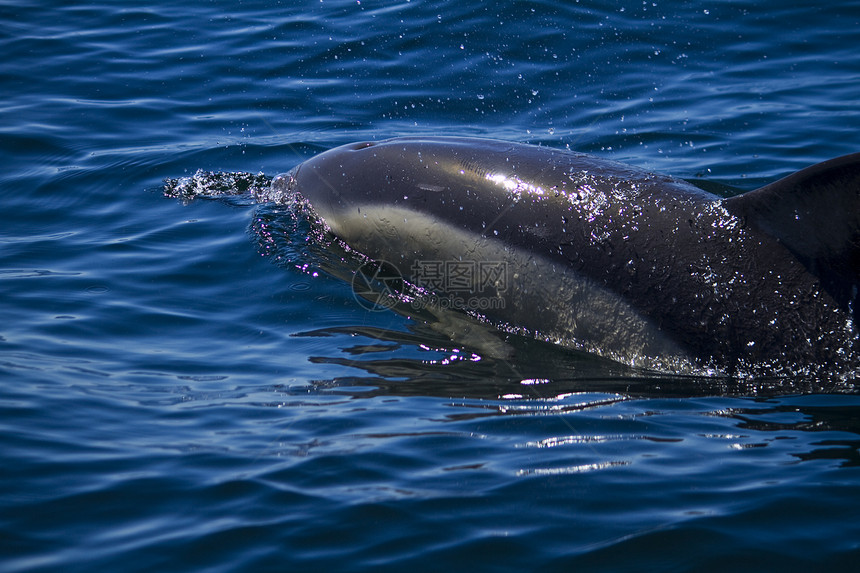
641, 268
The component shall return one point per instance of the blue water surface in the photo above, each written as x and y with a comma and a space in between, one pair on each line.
187, 386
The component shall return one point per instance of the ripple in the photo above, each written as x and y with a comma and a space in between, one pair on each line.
193, 397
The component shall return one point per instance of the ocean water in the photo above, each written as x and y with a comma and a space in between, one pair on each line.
193, 386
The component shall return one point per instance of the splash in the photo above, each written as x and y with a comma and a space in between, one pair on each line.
216, 184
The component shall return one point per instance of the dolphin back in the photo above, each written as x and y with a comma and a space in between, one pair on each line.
815, 213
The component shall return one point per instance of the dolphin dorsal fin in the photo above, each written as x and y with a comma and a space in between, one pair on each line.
816, 214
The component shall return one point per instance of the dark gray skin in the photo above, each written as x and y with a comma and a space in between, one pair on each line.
643, 268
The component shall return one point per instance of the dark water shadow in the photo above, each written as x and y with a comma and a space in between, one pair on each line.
424, 362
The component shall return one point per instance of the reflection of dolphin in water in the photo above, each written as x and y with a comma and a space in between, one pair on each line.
643, 268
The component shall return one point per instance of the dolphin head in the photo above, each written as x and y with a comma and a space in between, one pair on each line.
426, 171
335, 179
